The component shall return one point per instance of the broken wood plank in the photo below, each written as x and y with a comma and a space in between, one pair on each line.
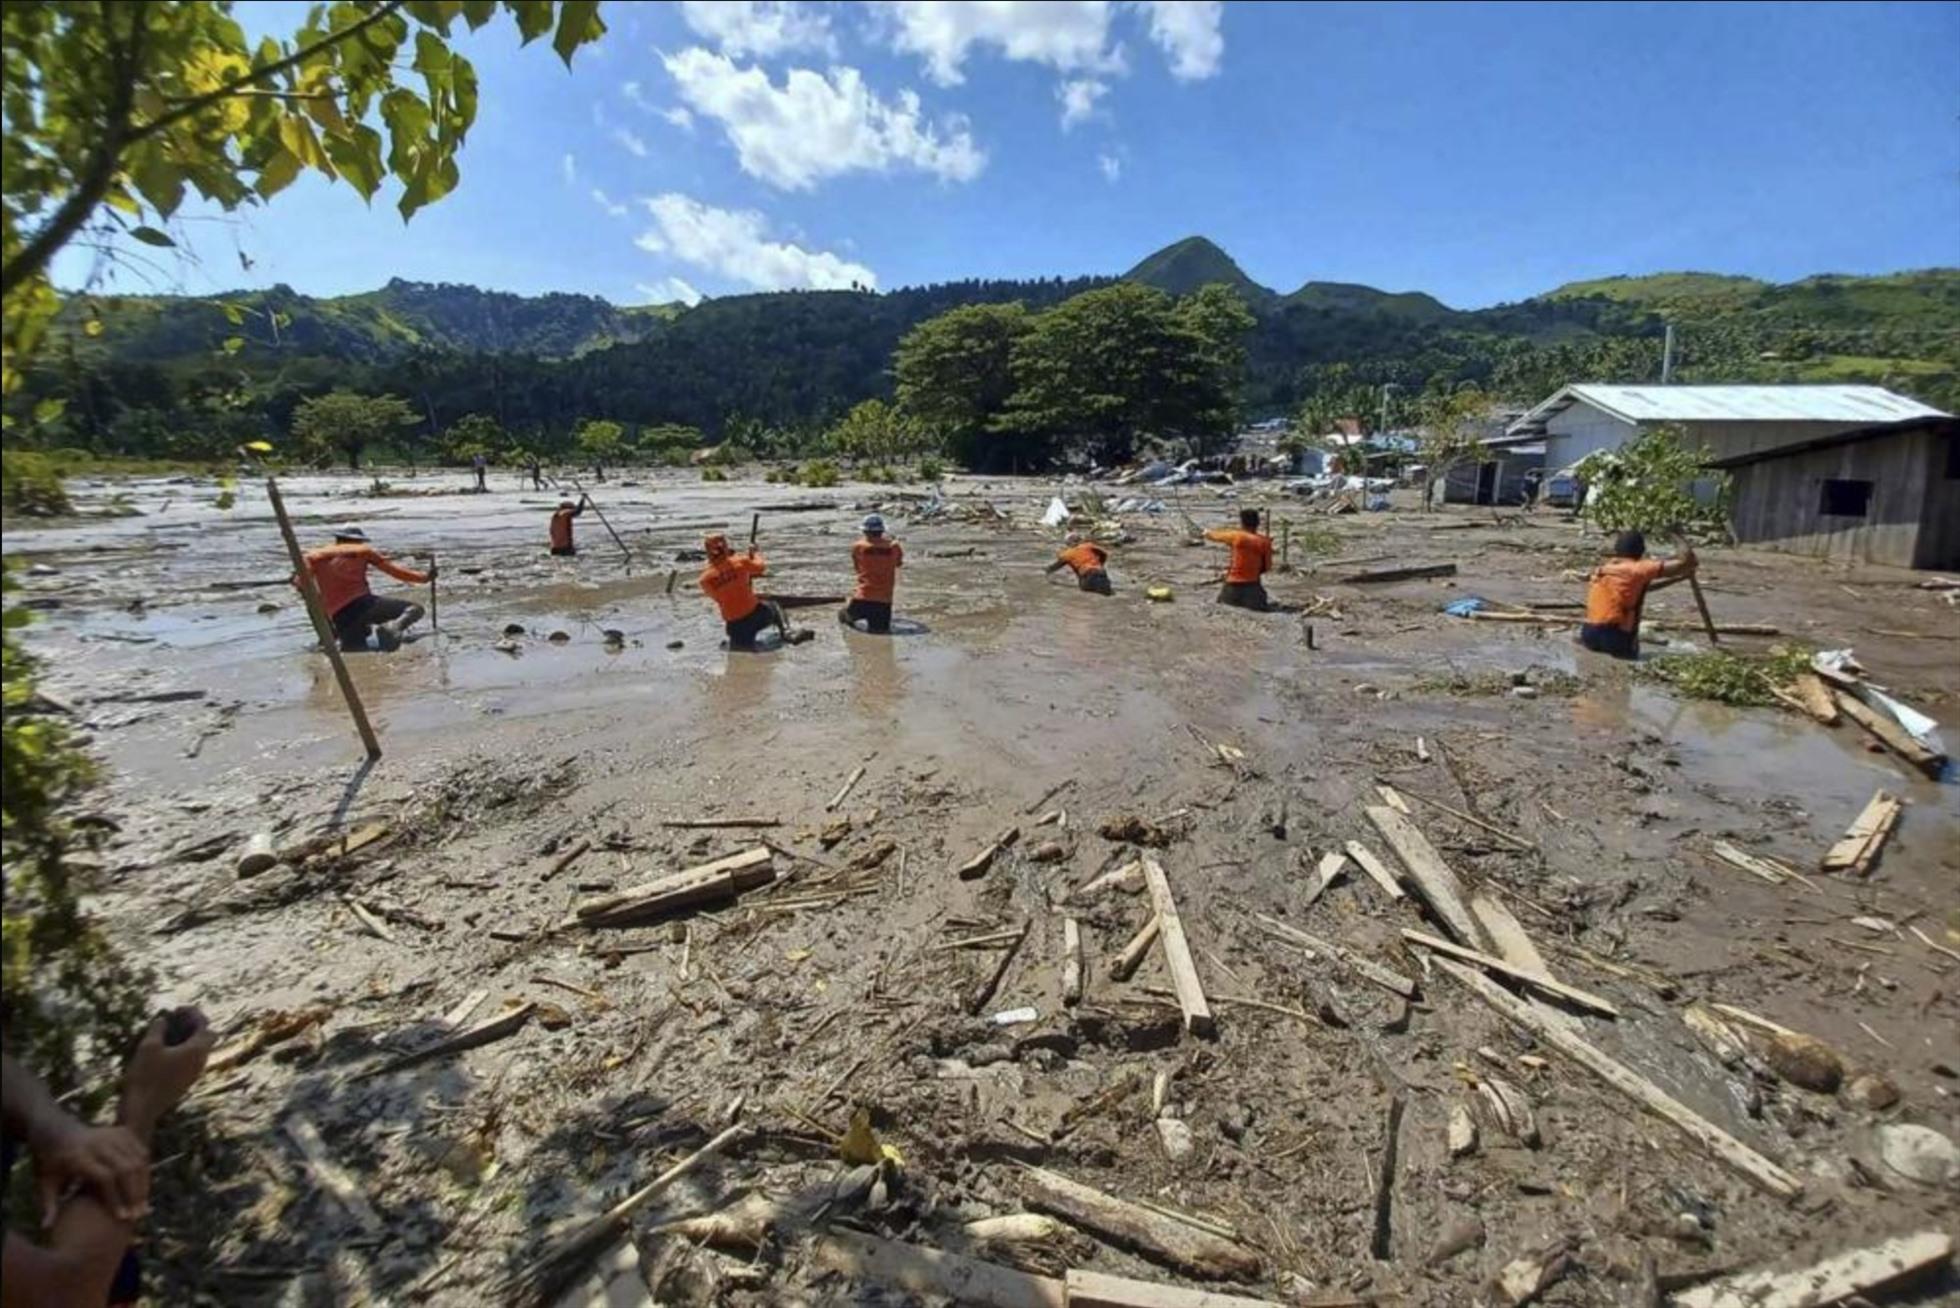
724, 878
1814, 697
992, 940
1762, 869
1843, 1277
1047, 795
1372, 864
1393, 798
1434, 880
1509, 836
1385, 1182
1387, 978
1858, 849
366, 917
1515, 947
1177, 951
1558, 620
1127, 878
977, 865
850, 784
1889, 733
935, 1274
1412, 573
568, 858
1132, 954
1071, 961
483, 1033
711, 824
330, 1176
1087, 1289
1537, 980
1329, 871
978, 997
1132, 1226
1716, 1141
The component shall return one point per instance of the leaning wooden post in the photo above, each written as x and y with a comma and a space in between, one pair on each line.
321, 627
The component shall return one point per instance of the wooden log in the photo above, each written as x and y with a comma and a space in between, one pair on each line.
709, 824
1087, 1289
1177, 952
1537, 980
1127, 961
978, 997
569, 857
1398, 574
1434, 880
1762, 869
1557, 620
1857, 850
1372, 864
1387, 978
483, 1033
1150, 1233
803, 601
1071, 961
330, 1176
722, 879
366, 917
1889, 733
1815, 698
935, 1274
1841, 1278
1723, 1146
850, 784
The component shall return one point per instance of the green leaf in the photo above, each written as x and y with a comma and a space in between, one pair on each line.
478, 12
159, 179
533, 17
233, 344
578, 22
358, 157
234, 314
276, 174
49, 410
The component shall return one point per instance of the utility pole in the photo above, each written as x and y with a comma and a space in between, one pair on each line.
1381, 428
1667, 356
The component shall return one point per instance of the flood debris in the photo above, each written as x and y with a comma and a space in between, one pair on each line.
1894, 1264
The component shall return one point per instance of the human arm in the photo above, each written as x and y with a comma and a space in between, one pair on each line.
753, 564
109, 1160
397, 571
1056, 566
1222, 535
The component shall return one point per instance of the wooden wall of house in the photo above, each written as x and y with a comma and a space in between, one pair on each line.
1939, 533
1778, 502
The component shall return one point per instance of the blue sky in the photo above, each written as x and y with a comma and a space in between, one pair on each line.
1478, 152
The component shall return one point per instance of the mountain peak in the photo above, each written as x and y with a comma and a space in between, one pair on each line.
1183, 266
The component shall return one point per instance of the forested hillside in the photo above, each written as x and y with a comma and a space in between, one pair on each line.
187, 376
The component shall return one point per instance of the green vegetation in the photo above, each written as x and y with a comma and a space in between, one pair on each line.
30, 484
346, 423
1184, 266
1648, 485
931, 469
1740, 679
818, 473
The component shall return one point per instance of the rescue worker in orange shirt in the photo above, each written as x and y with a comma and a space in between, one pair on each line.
877, 559
561, 525
1088, 560
1618, 590
340, 571
1252, 558
729, 580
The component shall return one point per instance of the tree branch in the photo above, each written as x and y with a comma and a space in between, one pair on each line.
259, 74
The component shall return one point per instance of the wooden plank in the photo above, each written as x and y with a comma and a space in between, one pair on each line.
1071, 961
1132, 955
1386, 978
1815, 698
322, 624
1385, 1183
1412, 573
366, 917
721, 879
1372, 864
977, 865
483, 1033
1857, 850
1639, 1089
330, 1176
1761, 868
709, 824
1153, 1234
1393, 798
983, 990
1510, 837
1177, 951
1434, 880
1087, 1289
1331, 867
1537, 980
1889, 733
850, 784
1837, 1279
1515, 947
932, 1273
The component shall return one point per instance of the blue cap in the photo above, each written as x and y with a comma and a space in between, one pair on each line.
873, 525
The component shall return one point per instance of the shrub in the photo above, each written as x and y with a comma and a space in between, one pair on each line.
712, 473
1648, 485
819, 473
931, 469
883, 475
1739, 679
30, 484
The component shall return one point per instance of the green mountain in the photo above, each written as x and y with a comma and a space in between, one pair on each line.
1348, 297
1183, 267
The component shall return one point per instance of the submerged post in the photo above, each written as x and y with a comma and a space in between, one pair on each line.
321, 627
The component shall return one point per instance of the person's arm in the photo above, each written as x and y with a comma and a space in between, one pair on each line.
1680, 567
109, 1160
1223, 535
1056, 566
898, 555
397, 571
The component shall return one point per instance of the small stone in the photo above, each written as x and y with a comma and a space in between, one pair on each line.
1524, 692
559, 637
1176, 1137
988, 1055
1919, 1153
1365, 688
1052, 851
614, 636
1871, 1091
675, 644
1522, 677
268, 607
43, 570
513, 629
1460, 1236
1463, 1131
1806, 1061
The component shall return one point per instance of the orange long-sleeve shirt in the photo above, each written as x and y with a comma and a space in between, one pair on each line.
877, 563
1086, 557
1252, 553
340, 571
730, 583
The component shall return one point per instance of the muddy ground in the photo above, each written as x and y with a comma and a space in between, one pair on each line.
829, 990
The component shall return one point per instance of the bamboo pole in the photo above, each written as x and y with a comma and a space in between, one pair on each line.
321, 627
587, 497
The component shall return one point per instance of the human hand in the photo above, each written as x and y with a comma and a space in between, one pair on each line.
159, 1074
110, 1160
432, 571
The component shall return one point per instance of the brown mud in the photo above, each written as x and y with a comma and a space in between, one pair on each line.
828, 991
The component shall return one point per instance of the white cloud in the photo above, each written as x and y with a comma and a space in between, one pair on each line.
1188, 32
679, 117
816, 126
630, 142
606, 202
667, 290
1068, 35
1112, 167
735, 244
759, 27
569, 166
633, 92
1078, 97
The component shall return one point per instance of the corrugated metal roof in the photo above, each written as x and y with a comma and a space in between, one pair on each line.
1860, 404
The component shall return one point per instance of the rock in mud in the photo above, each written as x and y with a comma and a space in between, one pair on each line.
1176, 1137
1460, 1236
506, 646
1806, 1061
513, 629
1919, 1153
1052, 851
1871, 1091
1463, 1133
614, 638
268, 607
675, 644
559, 637
1133, 830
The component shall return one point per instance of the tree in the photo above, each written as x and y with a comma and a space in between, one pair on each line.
876, 432
471, 435
1216, 322
114, 107
1654, 482
1451, 433
600, 440
349, 423
956, 375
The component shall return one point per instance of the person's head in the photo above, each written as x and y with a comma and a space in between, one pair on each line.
1073, 538
1630, 545
566, 504
873, 526
1249, 519
716, 546
350, 534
